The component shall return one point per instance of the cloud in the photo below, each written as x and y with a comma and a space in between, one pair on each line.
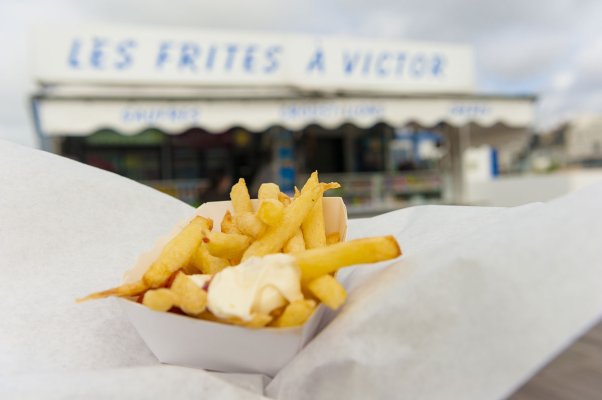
518, 55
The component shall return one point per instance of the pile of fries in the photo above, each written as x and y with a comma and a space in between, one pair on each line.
179, 279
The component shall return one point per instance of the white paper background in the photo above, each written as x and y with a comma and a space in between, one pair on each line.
481, 298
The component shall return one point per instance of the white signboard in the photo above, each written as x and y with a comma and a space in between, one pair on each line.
144, 56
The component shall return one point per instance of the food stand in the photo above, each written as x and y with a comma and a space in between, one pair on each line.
172, 108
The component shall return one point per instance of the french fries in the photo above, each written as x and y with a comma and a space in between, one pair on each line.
183, 294
284, 199
246, 220
207, 263
332, 238
270, 212
241, 200
190, 298
296, 243
268, 191
250, 224
176, 254
228, 245
160, 299
313, 228
325, 260
328, 290
228, 225
294, 215
296, 313
278, 224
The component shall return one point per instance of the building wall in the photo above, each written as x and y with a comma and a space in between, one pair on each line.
509, 142
510, 191
584, 139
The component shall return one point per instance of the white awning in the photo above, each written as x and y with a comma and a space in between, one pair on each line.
84, 116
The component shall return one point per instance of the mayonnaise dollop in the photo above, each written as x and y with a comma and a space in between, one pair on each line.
259, 285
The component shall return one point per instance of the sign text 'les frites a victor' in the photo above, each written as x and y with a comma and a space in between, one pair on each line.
117, 55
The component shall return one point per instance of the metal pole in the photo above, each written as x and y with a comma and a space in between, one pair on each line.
463, 144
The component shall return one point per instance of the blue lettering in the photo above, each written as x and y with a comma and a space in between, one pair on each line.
367, 63
400, 63
438, 65
189, 54
289, 111
194, 114
124, 49
210, 58
154, 115
231, 49
97, 54
74, 53
249, 58
293, 111
316, 62
350, 62
469, 109
381, 64
418, 66
271, 55
163, 54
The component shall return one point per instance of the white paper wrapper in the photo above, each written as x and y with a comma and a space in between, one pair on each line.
480, 300
153, 382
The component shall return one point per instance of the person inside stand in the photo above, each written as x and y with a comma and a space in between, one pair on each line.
219, 187
264, 174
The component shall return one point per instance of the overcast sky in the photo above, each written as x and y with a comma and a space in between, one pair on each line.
549, 48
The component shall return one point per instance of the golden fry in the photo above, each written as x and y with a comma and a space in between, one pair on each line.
325, 260
276, 236
183, 293
314, 231
191, 269
258, 321
296, 313
207, 263
125, 290
268, 191
328, 290
250, 225
332, 238
176, 254
207, 316
228, 245
311, 182
228, 225
295, 244
160, 299
270, 211
190, 298
297, 192
241, 201
313, 227
284, 199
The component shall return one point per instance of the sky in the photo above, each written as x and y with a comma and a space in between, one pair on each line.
549, 48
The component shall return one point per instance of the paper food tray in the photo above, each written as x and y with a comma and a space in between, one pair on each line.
181, 340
